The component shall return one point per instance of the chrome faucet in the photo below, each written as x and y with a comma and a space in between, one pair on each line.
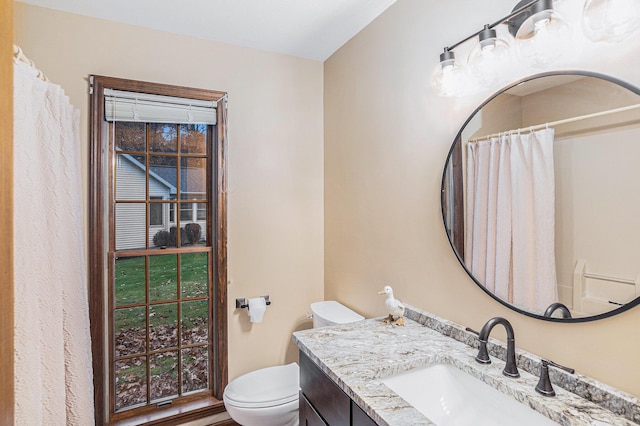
510, 370
557, 307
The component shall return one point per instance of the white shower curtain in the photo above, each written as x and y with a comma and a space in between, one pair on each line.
509, 223
53, 374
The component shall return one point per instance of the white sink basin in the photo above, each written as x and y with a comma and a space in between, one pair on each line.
450, 397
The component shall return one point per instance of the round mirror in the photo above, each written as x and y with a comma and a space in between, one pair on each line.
541, 196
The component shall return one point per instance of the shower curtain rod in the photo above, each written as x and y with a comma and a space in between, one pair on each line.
558, 122
20, 56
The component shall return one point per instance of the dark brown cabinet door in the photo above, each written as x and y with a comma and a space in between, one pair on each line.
308, 416
359, 417
324, 395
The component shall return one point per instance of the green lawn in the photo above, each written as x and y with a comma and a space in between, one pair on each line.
163, 286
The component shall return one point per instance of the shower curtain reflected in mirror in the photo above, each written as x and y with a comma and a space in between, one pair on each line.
509, 233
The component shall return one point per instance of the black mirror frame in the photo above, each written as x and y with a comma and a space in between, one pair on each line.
608, 314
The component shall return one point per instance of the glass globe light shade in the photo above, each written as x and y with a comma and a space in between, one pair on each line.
542, 38
448, 78
610, 21
488, 58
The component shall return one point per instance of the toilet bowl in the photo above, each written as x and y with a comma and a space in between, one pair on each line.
269, 396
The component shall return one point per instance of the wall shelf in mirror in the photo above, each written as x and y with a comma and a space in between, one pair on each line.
542, 178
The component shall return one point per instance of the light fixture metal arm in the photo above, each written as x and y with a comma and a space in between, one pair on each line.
514, 13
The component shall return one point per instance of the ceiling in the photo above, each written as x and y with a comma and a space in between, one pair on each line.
312, 29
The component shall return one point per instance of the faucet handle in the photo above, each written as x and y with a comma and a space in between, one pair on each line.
483, 354
544, 386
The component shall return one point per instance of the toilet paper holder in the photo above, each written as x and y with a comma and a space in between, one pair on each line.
241, 302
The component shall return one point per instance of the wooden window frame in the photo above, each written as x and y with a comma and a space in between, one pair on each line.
190, 409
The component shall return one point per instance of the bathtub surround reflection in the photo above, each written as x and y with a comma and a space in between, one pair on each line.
595, 202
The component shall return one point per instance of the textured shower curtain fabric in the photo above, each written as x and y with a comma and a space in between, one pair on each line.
510, 208
53, 374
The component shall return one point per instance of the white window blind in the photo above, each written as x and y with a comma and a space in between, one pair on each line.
131, 106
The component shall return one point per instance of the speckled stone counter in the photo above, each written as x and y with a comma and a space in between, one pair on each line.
357, 356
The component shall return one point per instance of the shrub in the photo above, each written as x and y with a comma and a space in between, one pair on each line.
173, 238
162, 239
192, 232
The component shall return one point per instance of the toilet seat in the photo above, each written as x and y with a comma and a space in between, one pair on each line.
267, 387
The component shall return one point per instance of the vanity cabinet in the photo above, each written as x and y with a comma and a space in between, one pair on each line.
322, 402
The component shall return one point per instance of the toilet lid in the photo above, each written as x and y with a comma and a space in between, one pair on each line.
335, 312
266, 387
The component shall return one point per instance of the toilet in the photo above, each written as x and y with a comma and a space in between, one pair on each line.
269, 396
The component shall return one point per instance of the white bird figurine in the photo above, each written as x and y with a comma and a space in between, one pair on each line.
394, 306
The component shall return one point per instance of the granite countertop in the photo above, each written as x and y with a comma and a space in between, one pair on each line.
357, 356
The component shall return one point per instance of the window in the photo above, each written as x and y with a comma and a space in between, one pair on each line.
186, 212
162, 279
202, 211
156, 214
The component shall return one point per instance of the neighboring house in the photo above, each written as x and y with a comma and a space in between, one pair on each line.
130, 185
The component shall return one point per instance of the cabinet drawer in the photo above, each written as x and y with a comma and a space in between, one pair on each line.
331, 403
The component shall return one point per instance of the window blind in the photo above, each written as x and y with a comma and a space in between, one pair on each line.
131, 106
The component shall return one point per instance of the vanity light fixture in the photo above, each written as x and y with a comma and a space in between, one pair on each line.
541, 36
449, 73
610, 21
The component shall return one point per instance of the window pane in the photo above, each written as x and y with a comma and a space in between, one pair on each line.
186, 212
193, 138
163, 277
193, 179
129, 280
195, 369
195, 322
131, 382
163, 137
202, 211
163, 326
164, 375
130, 331
131, 177
130, 224
130, 136
156, 213
194, 270
162, 177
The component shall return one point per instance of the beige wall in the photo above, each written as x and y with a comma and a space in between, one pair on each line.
275, 156
386, 138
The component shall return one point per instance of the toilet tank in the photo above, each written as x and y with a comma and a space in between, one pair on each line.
330, 312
